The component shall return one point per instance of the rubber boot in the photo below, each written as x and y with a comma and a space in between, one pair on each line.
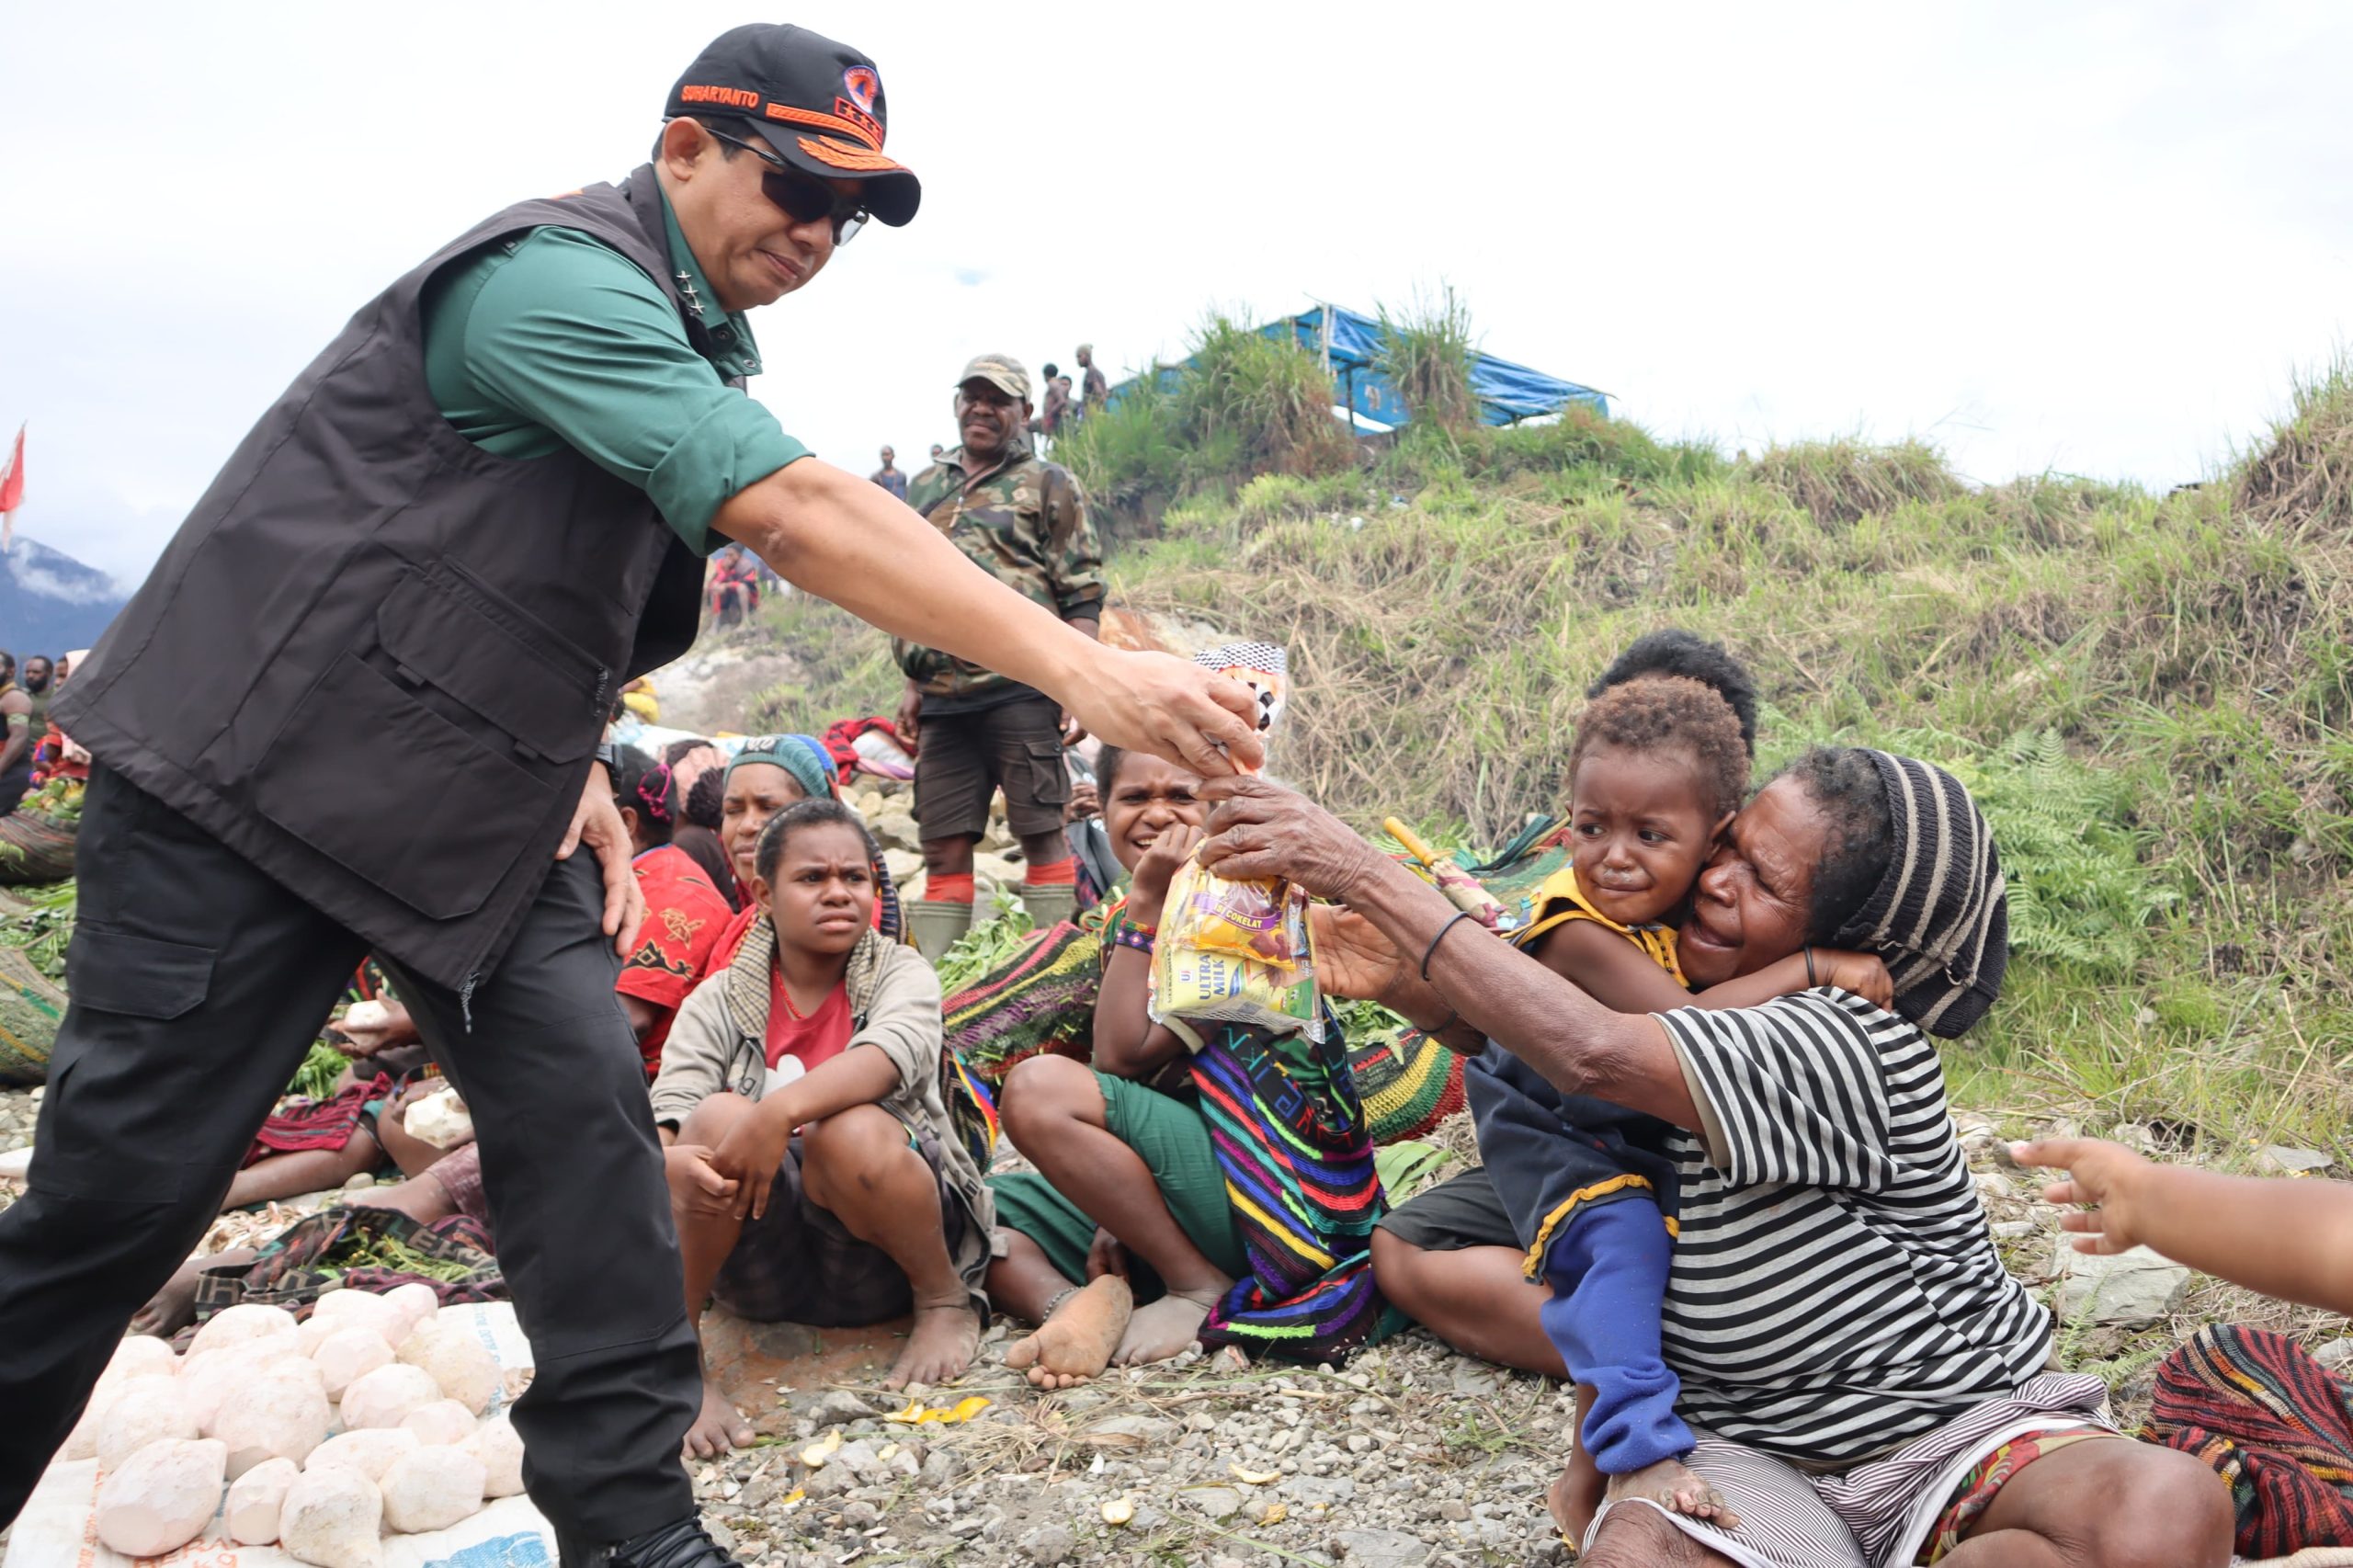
936, 926
1050, 903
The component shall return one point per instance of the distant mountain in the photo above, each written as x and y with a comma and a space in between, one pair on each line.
49, 602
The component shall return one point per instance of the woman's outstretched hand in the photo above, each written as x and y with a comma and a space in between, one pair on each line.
1260, 830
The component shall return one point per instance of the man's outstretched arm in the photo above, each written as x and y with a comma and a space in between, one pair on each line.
833, 534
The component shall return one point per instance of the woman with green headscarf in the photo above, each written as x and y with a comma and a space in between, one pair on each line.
768, 774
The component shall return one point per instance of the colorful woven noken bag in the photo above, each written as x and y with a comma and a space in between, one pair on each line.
1407, 1088
30, 1005
2273, 1423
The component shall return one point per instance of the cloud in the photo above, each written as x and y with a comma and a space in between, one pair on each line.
2101, 239
36, 578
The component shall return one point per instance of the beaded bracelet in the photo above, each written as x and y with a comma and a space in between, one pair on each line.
1134, 936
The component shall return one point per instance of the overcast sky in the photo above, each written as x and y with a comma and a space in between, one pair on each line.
2102, 240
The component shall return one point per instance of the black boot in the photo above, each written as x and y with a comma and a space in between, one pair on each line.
680, 1545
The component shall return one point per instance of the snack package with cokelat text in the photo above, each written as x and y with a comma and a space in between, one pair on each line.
1236, 951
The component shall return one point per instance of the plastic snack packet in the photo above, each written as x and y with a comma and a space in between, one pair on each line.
1234, 951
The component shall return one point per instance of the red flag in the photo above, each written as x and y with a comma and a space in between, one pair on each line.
12, 489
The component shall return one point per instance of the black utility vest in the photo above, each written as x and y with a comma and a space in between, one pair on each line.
375, 660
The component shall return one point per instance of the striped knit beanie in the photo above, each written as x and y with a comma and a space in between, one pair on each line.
1940, 918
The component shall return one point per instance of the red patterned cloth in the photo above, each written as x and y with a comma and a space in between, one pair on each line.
2274, 1424
841, 737
685, 917
319, 1124
1984, 1483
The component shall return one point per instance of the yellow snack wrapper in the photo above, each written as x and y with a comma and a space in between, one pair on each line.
1236, 953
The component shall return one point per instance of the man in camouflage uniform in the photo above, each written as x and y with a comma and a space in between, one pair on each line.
974, 732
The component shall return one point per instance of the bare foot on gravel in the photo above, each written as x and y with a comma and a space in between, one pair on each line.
1162, 1330
720, 1427
1575, 1497
1077, 1338
1677, 1489
940, 1346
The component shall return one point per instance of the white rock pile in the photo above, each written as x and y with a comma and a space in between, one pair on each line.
318, 1437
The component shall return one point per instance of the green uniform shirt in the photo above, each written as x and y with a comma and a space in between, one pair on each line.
1026, 525
553, 338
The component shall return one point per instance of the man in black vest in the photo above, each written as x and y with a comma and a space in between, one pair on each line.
355, 709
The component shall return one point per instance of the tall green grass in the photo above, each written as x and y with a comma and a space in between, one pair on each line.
1426, 353
2151, 696
1243, 404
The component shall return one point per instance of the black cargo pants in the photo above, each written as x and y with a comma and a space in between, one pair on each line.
198, 984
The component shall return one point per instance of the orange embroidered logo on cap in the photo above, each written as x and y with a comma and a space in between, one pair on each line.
862, 85
735, 98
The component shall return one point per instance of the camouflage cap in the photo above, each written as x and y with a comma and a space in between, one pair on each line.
1000, 370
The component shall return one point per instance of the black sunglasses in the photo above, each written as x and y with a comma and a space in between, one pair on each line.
802, 198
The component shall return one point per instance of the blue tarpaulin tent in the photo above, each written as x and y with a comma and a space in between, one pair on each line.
1349, 346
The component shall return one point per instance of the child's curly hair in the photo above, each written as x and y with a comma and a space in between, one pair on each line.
1671, 651
1663, 713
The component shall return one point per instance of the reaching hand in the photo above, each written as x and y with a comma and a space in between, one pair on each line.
597, 822
393, 1027
1861, 974
694, 1185
1260, 831
1085, 800
1353, 959
1171, 708
909, 720
2109, 1176
1148, 895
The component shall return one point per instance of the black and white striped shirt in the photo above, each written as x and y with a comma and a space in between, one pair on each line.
1835, 1289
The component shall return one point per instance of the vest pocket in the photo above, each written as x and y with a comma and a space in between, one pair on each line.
449, 629
441, 849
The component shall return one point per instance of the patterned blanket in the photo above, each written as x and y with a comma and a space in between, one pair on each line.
2275, 1424
1290, 1135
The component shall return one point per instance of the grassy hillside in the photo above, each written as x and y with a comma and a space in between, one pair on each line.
2151, 696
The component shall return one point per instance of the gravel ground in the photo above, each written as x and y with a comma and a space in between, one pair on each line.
1409, 1455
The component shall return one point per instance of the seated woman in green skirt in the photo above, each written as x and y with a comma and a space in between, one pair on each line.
1153, 1144
1239, 1177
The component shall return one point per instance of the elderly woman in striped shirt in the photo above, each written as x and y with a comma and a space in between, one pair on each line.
1867, 1385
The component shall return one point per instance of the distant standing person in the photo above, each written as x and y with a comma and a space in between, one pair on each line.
889, 477
936, 450
974, 731
1049, 422
1098, 385
17, 738
24, 708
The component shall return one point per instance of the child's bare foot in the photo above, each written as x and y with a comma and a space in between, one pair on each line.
940, 1346
174, 1306
720, 1427
1676, 1488
1163, 1329
1575, 1498
1076, 1340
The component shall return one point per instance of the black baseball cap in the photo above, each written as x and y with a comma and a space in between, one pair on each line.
818, 103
